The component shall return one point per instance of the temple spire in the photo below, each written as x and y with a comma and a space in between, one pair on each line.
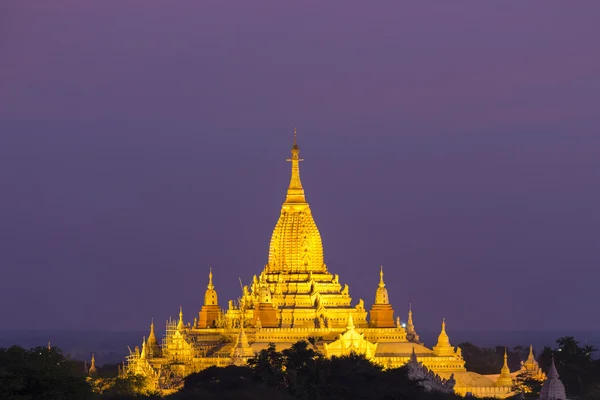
153, 348
381, 294
552, 372
413, 356
411, 333
295, 193
210, 282
443, 346
531, 357
553, 388
180, 325
242, 350
504, 379
144, 349
93, 369
350, 324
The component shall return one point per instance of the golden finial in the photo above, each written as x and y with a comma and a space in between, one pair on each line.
210, 276
381, 283
295, 141
152, 335
93, 369
531, 352
180, 325
504, 379
295, 193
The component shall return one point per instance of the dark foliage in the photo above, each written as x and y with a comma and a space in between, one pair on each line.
578, 371
301, 373
40, 373
488, 361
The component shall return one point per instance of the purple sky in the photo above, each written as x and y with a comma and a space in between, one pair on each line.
455, 143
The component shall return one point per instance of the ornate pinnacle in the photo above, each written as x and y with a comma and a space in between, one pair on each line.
350, 324
295, 141
210, 282
381, 283
180, 325
295, 193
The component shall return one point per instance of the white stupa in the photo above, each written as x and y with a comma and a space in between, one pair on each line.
553, 388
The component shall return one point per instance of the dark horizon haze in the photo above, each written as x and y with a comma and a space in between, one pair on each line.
455, 143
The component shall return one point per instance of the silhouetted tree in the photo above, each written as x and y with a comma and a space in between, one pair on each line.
268, 366
574, 364
527, 386
40, 373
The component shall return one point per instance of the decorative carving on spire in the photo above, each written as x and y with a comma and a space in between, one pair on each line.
296, 245
295, 193
180, 325
210, 282
210, 296
381, 295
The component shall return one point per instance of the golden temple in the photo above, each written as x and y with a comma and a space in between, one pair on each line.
295, 297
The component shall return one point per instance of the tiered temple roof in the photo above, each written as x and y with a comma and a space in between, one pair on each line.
296, 297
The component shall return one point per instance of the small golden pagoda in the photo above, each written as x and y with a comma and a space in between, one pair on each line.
505, 378
295, 297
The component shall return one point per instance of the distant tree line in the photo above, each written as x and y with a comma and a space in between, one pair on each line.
295, 373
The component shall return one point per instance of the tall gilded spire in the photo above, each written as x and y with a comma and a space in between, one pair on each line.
93, 369
210, 283
152, 345
381, 295
296, 245
144, 349
152, 337
180, 325
210, 296
295, 193
530, 357
504, 379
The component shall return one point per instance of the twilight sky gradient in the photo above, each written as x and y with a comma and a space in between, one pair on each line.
455, 143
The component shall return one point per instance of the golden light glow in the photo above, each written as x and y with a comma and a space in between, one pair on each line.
295, 297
